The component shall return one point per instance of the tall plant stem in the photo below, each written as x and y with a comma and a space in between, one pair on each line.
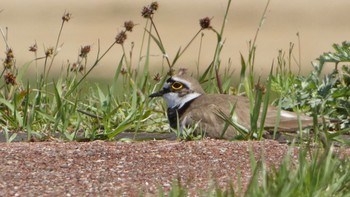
160, 40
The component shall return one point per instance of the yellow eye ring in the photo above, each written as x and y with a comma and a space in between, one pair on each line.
176, 86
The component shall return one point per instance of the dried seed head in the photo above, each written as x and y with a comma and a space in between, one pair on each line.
81, 68
154, 5
77, 67
49, 52
9, 60
9, 54
33, 48
171, 72
74, 66
205, 23
10, 79
156, 77
129, 25
147, 12
8, 63
232, 90
121, 37
66, 17
123, 71
260, 87
84, 51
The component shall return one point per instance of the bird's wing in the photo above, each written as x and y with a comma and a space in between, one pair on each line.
288, 121
208, 121
207, 113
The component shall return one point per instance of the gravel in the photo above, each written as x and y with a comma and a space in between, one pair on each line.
128, 168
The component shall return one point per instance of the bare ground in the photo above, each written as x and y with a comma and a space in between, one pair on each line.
127, 169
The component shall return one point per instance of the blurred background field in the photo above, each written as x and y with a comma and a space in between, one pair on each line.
320, 23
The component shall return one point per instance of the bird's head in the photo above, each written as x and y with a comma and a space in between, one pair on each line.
179, 89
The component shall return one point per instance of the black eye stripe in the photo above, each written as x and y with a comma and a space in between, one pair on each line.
170, 80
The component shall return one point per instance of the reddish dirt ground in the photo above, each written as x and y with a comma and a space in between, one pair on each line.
127, 169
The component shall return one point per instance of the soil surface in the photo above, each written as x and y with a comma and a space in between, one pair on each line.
102, 168
127, 168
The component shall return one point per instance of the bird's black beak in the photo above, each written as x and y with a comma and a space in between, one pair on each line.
157, 94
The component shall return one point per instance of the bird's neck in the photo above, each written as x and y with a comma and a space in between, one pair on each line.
173, 100
175, 113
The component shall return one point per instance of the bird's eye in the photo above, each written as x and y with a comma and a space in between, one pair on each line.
176, 86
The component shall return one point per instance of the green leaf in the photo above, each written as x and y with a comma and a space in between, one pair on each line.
46, 116
59, 108
341, 92
13, 110
117, 72
242, 130
243, 68
265, 105
102, 98
23, 70
160, 45
206, 72
122, 127
177, 56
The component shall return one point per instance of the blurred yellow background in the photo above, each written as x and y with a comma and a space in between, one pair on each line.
320, 23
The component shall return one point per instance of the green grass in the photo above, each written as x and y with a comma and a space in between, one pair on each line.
323, 174
72, 108
314, 173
